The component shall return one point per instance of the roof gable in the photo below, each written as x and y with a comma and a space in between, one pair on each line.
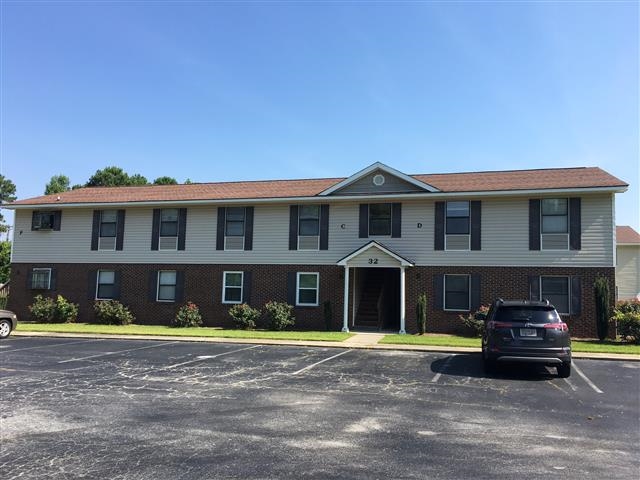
378, 178
625, 235
397, 260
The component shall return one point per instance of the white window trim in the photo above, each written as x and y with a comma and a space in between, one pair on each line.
317, 289
175, 286
48, 279
444, 293
224, 287
98, 283
390, 220
568, 278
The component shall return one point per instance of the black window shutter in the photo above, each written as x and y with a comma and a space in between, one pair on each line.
534, 287
30, 279
324, 227
95, 230
576, 295
363, 231
396, 220
475, 292
179, 286
182, 228
575, 224
92, 285
120, 230
153, 286
155, 229
248, 228
293, 227
222, 214
439, 227
117, 284
57, 219
291, 288
34, 216
438, 292
476, 222
534, 224
246, 287
53, 282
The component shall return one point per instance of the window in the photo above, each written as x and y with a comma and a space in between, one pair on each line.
169, 222
41, 279
234, 226
556, 290
44, 220
166, 286
380, 219
555, 217
108, 221
457, 218
308, 227
307, 289
232, 287
105, 289
456, 292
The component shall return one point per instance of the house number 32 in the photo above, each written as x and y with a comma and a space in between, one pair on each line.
373, 261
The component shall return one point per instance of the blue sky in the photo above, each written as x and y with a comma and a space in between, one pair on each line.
260, 90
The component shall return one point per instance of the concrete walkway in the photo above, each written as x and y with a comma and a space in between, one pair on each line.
360, 340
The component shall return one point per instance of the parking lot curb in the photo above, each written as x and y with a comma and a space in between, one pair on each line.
307, 343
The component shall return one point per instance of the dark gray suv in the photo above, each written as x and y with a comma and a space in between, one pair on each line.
526, 331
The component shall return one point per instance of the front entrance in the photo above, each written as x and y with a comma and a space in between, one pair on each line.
376, 298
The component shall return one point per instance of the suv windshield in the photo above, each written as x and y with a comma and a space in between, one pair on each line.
527, 314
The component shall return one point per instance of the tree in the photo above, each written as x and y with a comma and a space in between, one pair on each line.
57, 184
165, 181
5, 261
188, 181
7, 194
115, 177
603, 312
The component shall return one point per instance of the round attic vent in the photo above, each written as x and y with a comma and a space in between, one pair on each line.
378, 180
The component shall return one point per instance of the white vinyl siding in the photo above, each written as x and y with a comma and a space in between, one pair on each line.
505, 237
307, 289
628, 272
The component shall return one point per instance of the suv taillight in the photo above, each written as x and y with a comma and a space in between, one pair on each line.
494, 325
557, 326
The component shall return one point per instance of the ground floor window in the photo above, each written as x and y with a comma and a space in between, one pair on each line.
41, 279
307, 291
556, 290
456, 292
166, 286
106, 281
232, 287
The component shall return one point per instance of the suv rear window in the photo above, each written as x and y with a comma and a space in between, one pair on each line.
528, 314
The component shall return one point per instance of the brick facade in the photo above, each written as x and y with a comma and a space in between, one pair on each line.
203, 286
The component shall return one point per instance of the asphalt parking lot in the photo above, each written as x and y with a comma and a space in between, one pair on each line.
133, 409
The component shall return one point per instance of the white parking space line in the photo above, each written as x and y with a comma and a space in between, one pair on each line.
573, 387
586, 379
309, 367
444, 367
202, 358
115, 353
50, 345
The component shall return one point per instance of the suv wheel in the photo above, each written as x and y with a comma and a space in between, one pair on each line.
564, 370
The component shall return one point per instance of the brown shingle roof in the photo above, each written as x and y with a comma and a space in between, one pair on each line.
626, 234
557, 178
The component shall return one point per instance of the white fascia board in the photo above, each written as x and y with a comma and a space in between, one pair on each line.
372, 168
333, 199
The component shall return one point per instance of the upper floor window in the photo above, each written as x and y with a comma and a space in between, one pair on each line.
107, 230
46, 220
167, 280
234, 228
41, 279
380, 219
457, 218
169, 222
555, 215
169, 229
308, 227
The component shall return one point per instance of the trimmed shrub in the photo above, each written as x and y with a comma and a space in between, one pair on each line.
279, 315
474, 322
421, 313
627, 306
244, 317
188, 316
328, 315
42, 309
48, 310
628, 326
603, 310
112, 312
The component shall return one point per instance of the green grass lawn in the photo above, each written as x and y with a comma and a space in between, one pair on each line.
577, 345
181, 332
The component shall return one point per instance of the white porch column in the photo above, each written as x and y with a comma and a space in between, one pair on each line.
402, 301
345, 320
